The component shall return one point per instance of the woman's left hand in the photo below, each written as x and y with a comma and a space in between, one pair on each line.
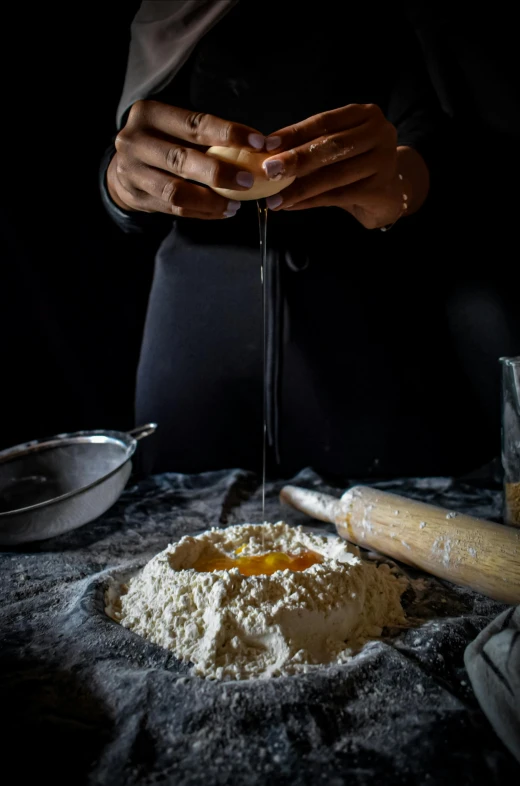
347, 158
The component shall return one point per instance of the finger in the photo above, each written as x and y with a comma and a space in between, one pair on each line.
325, 180
323, 152
322, 124
185, 213
169, 192
346, 196
189, 163
198, 128
149, 204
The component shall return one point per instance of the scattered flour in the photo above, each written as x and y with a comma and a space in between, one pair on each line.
230, 626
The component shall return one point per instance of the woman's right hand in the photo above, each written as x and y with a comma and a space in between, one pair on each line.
161, 148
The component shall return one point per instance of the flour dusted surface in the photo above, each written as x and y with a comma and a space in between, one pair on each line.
231, 626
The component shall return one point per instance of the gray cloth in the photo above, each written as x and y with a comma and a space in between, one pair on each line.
493, 664
163, 35
85, 701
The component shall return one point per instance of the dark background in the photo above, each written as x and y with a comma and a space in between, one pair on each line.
73, 287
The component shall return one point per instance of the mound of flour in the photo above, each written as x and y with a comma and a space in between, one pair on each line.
231, 626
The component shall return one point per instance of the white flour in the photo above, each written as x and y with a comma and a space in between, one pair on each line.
231, 626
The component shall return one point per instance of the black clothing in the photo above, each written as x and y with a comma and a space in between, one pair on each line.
373, 326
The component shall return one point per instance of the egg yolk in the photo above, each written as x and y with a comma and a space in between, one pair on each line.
259, 564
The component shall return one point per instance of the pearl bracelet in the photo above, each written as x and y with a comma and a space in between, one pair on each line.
403, 210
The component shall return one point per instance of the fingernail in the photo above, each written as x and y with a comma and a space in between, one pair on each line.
272, 142
273, 169
230, 213
233, 205
245, 179
274, 201
256, 141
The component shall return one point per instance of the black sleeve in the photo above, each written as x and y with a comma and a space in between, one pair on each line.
130, 222
413, 106
472, 61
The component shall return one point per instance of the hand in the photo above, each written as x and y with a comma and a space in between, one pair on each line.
161, 148
347, 158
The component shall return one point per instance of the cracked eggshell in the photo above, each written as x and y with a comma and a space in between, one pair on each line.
252, 162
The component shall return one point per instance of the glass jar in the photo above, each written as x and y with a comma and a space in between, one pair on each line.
511, 438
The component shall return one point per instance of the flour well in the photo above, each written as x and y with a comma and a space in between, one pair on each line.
230, 626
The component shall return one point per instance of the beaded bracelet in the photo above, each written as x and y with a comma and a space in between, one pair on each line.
403, 211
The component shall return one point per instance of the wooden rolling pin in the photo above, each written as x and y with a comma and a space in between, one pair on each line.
462, 549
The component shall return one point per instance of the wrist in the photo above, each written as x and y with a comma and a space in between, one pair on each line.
414, 177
